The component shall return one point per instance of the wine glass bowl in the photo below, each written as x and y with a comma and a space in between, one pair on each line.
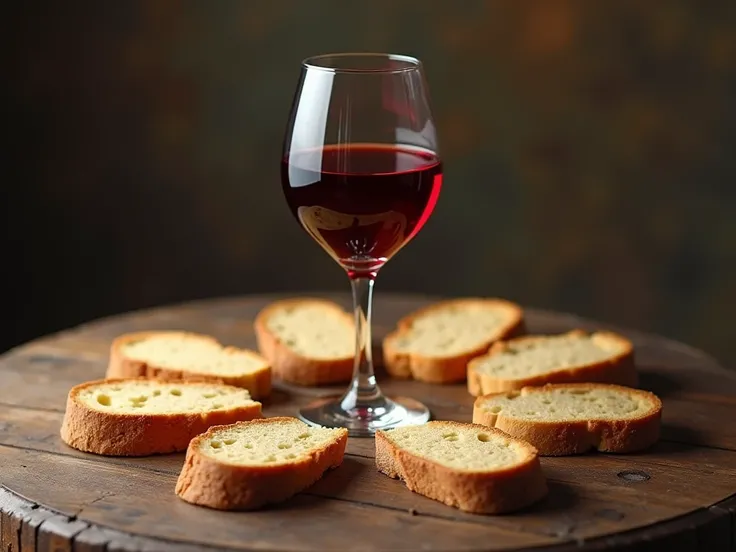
361, 173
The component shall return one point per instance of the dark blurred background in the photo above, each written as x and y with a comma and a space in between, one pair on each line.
588, 147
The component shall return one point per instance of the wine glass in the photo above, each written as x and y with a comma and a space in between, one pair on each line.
361, 172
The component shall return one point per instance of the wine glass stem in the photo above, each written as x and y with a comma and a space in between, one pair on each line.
363, 394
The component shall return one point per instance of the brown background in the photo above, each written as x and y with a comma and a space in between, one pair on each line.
589, 153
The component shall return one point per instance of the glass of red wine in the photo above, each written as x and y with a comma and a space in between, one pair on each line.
361, 173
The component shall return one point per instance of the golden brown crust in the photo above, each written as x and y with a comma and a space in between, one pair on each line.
208, 482
562, 438
487, 492
290, 366
257, 383
619, 369
450, 369
123, 434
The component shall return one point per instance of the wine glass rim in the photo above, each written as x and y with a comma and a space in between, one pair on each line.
318, 62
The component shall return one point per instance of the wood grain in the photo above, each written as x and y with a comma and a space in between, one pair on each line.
677, 494
144, 503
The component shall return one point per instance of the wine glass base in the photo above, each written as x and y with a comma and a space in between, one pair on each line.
365, 421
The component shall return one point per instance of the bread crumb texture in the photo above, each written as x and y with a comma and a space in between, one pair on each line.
453, 328
153, 397
193, 354
467, 448
523, 358
282, 442
569, 403
312, 330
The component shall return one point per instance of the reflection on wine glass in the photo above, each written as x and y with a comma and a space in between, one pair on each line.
360, 234
362, 174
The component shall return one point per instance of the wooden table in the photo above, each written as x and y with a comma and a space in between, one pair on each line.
681, 495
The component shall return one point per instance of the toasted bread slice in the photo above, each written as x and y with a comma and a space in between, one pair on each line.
181, 356
138, 417
247, 465
572, 418
573, 357
308, 341
470, 467
434, 344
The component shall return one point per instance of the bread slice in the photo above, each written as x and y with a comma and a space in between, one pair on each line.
138, 417
247, 465
470, 467
178, 356
307, 341
434, 344
572, 357
572, 418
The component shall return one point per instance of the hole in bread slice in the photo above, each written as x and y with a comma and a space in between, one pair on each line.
158, 397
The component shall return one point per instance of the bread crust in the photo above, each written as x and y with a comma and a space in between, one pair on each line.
257, 383
290, 366
206, 481
618, 369
488, 492
564, 438
123, 434
444, 369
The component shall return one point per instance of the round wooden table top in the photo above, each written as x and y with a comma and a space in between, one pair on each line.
679, 495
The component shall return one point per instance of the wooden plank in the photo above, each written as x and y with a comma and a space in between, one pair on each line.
701, 530
727, 509
126, 543
39, 431
703, 422
95, 539
10, 528
42, 382
143, 503
102, 539
20, 427
571, 511
693, 383
560, 516
88, 539
25, 518
682, 478
29, 529
717, 533
32, 518
57, 532
582, 502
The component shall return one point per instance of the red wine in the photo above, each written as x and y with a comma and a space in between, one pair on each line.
362, 202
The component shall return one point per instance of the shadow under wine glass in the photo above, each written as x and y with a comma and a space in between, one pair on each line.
361, 172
